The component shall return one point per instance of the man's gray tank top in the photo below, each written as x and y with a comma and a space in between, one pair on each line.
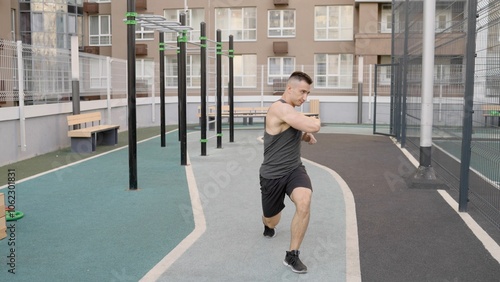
281, 153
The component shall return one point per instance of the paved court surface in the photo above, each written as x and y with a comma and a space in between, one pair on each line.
202, 222
233, 249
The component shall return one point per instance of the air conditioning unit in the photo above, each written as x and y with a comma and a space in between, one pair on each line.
91, 7
141, 4
280, 2
141, 49
91, 49
280, 47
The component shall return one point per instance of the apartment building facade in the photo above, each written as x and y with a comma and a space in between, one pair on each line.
272, 38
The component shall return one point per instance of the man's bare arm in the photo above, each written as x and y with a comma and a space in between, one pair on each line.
298, 120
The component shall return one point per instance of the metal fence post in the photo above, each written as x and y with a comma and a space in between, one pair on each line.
468, 106
20, 81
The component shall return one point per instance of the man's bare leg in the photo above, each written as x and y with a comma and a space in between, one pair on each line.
301, 197
271, 222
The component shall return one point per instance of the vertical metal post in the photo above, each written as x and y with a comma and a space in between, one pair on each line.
219, 88
162, 89
108, 87
404, 78
179, 85
20, 83
427, 105
399, 111
75, 75
468, 106
375, 100
203, 93
231, 90
183, 94
153, 94
360, 90
393, 70
131, 90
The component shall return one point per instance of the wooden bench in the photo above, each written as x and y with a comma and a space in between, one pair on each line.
86, 132
491, 111
246, 113
249, 113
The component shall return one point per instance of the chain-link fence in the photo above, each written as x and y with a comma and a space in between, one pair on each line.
48, 78
46, 75
449, 94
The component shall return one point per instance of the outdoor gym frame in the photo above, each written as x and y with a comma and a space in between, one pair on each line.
160, 24
182, 93
156, 23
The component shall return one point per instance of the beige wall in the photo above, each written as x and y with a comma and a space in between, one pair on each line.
5, 14
368, 17
302, 47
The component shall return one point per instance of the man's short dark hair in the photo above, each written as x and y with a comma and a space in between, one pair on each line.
301, 76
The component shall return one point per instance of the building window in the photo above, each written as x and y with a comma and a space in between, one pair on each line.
37, 22
98, 74
386, 18
13, 24
100, 30
144, 75
72, 24
171, 71
61, 30
443, 20
244, 71
281, 23
239, 22
384, 77
193, 19
143, 33
279, 68
333, 70
333, 23
193, 71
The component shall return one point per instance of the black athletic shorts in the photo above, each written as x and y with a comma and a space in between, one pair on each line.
273, 190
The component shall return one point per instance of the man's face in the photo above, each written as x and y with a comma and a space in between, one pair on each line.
299, 90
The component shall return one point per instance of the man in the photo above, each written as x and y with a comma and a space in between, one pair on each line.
282, 171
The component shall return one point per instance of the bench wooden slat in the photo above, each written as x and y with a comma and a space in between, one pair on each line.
87, 132
84, 118
488, 108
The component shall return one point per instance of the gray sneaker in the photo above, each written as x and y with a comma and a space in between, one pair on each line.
292, 260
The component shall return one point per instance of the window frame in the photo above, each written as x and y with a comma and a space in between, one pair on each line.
244, 72
284, 74
141, 32
142, 73
346, 74
230, 30
383, 18
193, 62
281, 28
100, 36
329, 28
194, 34
448, 15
